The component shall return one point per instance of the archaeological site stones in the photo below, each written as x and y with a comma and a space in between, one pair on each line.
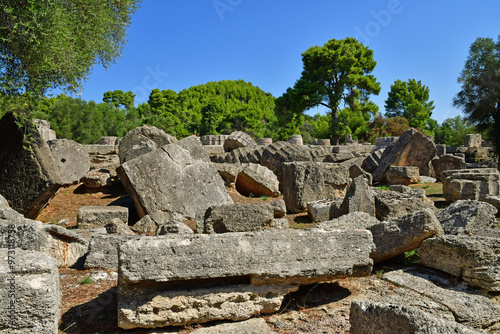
235, 234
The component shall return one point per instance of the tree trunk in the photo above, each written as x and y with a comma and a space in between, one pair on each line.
335, 126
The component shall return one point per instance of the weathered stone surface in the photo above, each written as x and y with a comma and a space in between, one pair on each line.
307, 256
493, 200
99, 216
385, 141
178, 178
404, 175
257, 180
475, 259
310, 181
400, 235
116, 226
30, 292
281, 223
228, 172
214, 149
162, 307
371, 317
3, 203
372, 161
447, 162
391, 238
399, 201
154, 272
213, 139
264, 141
251, 326
473, 140
146, 226
72, 158
350, 221
319, 211
63, 245
464, 306
238, 139
44, 130
97, 179
101, 149
473, 184
355, 169
28, 178
173, 227
103, 250
411, 149
359, 198
296, 140
109, 140
142, 140
278, 208
467, 217
109, 162
237, 217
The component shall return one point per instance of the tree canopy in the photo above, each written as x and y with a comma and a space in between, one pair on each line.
410, 99
339, 71
480, 82
54, 43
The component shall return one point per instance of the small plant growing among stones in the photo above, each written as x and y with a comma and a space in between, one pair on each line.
86, 280
412, 257
379, 273
264, 198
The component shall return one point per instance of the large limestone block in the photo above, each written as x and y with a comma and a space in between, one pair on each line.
29, 178
142, 140
304, 256
359, 198
103, 250
176, 280
473, 184
178, 179
30, 292
473, 258
405, 175
72, 158
465, 306
399, 201
238, 139
238, 217
411, 149
100, 216
319, 211
257, 180
447, 162
467, 217
213, 140
163, 307
65, 246
44, 130
228, 172
311, 181
393, 237
371, 317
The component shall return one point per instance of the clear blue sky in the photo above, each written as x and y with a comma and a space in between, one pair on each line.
179, 44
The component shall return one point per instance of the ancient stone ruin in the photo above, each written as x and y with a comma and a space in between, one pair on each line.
186, 254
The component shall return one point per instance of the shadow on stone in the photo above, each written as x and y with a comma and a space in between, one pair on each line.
314, 295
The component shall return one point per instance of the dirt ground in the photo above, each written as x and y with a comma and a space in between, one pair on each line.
89, 296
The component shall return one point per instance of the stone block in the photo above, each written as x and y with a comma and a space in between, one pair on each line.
100, 216
404, 175
30, 292
142, 140
473, 184
310, 181
72, 158
178, 179
238, 139
257, 180
473, 258
447, 162
238, 217
467, 217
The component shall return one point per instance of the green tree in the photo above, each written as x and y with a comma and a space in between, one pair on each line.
480, 94
211, 115
118, 98
452, 131
339, 71
410, 99
54, 44
385, 127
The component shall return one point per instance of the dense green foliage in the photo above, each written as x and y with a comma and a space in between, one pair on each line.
410, 99
337, 72
480, 83
453, 130
54, 43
